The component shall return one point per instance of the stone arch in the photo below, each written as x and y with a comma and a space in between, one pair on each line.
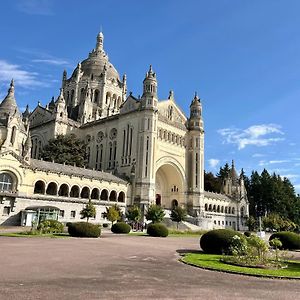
95, 194
96, 96
74, 193
242, 211
113, 196
174, 203
104, 195
8, 181
39, 187
169, 173
205, 207
85, 192
108, 97
51, 188
63, 190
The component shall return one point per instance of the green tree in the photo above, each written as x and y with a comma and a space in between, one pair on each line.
113, 213
134, 214
251, 223
66, 149
178, 214
211, 183
155, 213
89, 211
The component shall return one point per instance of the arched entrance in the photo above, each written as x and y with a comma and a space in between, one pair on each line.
169, 185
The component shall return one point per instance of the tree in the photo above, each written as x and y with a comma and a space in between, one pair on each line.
113, 213
212, 183
178, 214
89, 211
155, 213
251, 223
66, 149
134, 214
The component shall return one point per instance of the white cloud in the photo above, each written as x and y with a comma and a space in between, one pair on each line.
213, 162
35, 7
258, 155
290, 176
256, 135
52, 61
22, 77
278, 161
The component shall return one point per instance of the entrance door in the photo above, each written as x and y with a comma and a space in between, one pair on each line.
158, 199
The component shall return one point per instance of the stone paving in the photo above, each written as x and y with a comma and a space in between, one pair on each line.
121, 267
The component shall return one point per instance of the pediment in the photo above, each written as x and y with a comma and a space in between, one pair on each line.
40, 115
130, 104
169, 111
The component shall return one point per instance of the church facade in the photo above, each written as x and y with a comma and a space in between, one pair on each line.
140, 150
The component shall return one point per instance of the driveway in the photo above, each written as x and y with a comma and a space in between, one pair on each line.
121, 267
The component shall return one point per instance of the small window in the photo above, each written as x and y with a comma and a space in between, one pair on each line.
6, 210
218, 222
73, 213
215, 222
226, 223
61, 213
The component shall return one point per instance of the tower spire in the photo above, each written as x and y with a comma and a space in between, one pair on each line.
99, 44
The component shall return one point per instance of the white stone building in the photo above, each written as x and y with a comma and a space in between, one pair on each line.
146, 147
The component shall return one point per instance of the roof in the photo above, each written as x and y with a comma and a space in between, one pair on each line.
74, 171
9, 104
217, 196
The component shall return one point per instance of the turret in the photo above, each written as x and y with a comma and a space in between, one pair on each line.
60, 106
9, 105
64, 78
99, 44
195, 121
149, 98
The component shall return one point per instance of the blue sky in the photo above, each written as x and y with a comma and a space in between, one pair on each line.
242, 57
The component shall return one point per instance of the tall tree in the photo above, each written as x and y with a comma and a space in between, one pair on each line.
155, 213
66, 149
178, 214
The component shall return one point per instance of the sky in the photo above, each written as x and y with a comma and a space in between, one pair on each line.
242, 58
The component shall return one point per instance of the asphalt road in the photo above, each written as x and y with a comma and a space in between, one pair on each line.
121, 267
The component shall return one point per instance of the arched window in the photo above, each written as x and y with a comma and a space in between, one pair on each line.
85, 192
39, 187
96, 96
218, 208
209, 207
222, 209
205, 207
226, 210
113, 196
174, 203
63, 190
74, 193
242, 211
121, 197
104, 195
6, 182
51, 189
95, 194
232, 210
214, 208
229, 210
13, 135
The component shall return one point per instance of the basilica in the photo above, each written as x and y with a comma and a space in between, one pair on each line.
140, 151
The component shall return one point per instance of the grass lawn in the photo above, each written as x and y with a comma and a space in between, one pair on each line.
212, 262
25, 234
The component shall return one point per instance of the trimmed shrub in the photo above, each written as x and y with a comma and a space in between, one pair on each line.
120, 227
158, 230
84, 229
289, 240
105, 225
218, 241
50, 226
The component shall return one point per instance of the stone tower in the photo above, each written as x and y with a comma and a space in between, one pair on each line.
195, 154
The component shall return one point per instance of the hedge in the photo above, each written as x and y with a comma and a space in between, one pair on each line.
84, 229
157, 230
218, 241
120, 227
289, 240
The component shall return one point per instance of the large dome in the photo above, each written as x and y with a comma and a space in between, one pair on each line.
94, 65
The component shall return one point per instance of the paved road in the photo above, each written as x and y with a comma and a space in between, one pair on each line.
121, 267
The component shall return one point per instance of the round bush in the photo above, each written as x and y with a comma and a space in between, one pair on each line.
84, 229
120, 227
51, 226
158, 230
218, 241
289, 240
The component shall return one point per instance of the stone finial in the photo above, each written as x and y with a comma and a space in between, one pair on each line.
171, 95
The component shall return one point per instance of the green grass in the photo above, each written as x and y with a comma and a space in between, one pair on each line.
212, 262
25, 234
